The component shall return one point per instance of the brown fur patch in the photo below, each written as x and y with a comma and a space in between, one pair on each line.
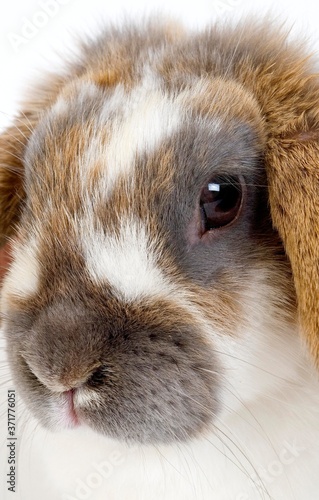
294, 194
107, 78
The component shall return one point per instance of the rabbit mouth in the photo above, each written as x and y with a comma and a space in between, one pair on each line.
71, 417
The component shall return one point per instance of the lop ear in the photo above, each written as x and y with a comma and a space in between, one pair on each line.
12, 145
292, 163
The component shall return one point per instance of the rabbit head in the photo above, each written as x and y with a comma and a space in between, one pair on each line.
145, 272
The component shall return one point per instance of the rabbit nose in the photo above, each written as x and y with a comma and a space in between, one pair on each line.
78, 377
65, 346
66, 378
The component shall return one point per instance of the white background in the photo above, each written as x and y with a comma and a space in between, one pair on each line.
34, 32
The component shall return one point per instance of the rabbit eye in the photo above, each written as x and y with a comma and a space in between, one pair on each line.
221, 202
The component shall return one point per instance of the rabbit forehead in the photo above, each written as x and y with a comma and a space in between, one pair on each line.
104, 131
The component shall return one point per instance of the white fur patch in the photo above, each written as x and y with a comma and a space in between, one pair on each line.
138, 122
127, 262
85, 397
76, 94
60, 107
22, 279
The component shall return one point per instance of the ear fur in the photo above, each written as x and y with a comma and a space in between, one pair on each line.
293, 173
12, 144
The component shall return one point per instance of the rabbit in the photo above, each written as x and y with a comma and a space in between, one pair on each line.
158, 218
